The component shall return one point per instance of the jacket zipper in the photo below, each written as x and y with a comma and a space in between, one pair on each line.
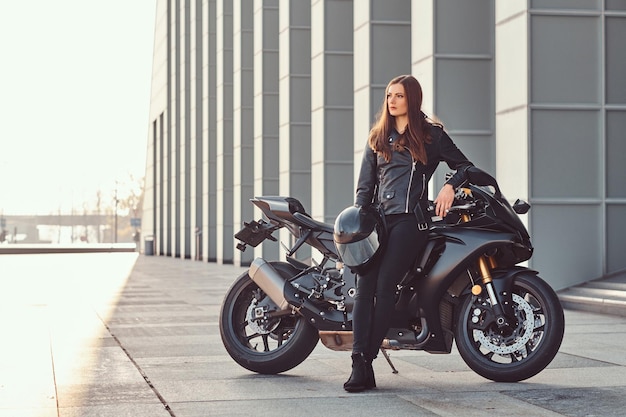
408, 190
423, 186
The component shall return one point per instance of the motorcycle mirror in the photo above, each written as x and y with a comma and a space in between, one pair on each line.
521, 207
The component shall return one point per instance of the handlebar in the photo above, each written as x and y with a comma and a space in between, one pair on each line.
462, 207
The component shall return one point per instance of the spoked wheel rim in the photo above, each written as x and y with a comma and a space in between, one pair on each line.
525, 345
516, 342
257, 333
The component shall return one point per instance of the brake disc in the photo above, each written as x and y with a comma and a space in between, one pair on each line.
521, 335
256, 321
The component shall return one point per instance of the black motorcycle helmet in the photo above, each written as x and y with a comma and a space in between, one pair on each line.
358, 236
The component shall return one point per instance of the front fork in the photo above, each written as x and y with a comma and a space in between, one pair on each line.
486, 264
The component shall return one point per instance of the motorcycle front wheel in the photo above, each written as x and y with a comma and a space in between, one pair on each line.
266, 346
524, 347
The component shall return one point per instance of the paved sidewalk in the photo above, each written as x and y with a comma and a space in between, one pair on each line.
121, 334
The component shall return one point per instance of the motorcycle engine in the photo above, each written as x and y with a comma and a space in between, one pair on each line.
328, 286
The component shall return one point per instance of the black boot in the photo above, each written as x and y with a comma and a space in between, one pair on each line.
371, 381
360, 376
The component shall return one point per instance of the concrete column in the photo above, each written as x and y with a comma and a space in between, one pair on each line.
332, 98
511, 100
195, 133
295, 106
184, 125
243, 120
423, 49
179, 131
159, 232
266, 106
173, 132
209, 131
150, 207
224, 149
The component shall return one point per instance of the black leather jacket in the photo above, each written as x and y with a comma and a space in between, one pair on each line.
402, 182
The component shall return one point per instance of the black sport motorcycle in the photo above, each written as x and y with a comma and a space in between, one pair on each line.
466, 286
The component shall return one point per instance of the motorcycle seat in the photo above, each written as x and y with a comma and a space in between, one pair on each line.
313, 224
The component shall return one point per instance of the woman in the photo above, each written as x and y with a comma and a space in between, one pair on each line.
404, 149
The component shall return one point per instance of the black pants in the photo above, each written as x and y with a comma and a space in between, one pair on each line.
374, 301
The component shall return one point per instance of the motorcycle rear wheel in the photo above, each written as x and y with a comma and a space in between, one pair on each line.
263, 346
520, 351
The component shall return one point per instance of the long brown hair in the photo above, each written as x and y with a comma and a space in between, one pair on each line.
417, 132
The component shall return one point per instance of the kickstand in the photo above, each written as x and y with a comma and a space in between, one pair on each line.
393, 368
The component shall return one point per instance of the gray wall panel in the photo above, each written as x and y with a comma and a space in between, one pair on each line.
386, 41
299, 152
300, 42
616, 154
615, 5
377, 98
565, 149
458, 30
478, 149
338, 196
337, 73
565, 59
389, 9
338, 137
300, 99
615, 60
567, 4
464, 101
616, 237
338, 29
568, 242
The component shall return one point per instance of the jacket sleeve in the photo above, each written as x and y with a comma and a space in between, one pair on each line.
368, 177
455, 159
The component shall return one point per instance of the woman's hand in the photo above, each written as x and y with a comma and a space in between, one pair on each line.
444, 200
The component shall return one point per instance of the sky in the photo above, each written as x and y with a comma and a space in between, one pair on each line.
75, 80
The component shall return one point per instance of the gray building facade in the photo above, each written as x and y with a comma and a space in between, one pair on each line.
276, 97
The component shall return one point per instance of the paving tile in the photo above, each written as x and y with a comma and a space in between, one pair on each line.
578, 402
118, 335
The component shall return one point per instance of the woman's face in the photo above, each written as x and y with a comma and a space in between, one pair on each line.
396, 100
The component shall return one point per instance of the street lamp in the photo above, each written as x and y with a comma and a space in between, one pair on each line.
116, 201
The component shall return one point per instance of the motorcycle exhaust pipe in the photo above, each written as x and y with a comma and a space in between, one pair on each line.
287, 297
270, 281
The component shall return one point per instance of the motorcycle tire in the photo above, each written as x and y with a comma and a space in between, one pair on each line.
520, 351
263, 346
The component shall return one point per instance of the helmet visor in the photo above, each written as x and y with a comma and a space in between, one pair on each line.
358, 253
